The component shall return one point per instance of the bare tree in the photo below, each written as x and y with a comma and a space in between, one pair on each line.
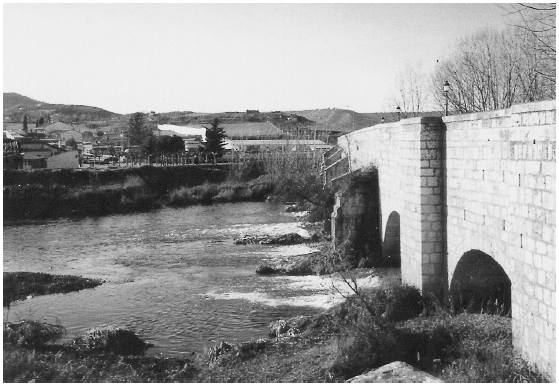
411, 96
492, 70
538, 20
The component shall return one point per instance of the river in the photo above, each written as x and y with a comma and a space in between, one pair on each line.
174, 276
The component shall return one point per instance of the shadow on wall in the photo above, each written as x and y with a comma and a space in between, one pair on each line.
391, 245
480, 284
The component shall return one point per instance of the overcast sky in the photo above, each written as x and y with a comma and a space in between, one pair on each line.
226, 57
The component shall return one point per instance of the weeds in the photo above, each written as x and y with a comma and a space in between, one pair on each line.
385, 325
479, 349
22, 365
208, 194
32, 333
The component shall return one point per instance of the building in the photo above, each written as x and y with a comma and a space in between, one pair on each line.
12, 156
41, 153
57, 127
252, 130
278, 145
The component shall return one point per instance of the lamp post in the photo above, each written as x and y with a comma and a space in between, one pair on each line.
446, 88
398, 109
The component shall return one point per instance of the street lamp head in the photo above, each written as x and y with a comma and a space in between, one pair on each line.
398, 109
446, 86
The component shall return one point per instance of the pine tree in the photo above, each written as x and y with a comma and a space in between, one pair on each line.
137, 129
215, 136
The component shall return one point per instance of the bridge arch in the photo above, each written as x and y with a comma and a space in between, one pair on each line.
479, 282
391, 247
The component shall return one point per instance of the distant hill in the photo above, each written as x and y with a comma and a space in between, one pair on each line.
347, 120
88, 118
342, 120
11, 99
16, 106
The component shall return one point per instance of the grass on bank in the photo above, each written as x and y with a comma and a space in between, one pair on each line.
60, 365
349, 339
20, 285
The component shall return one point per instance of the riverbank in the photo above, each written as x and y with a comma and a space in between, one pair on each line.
373, 327
32, 202
383, 323
332, 346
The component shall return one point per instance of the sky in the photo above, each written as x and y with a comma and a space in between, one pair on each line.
227, 57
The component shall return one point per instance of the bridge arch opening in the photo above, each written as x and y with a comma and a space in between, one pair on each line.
391, 245
480, 284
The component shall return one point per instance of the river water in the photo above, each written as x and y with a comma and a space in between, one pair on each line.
174, 276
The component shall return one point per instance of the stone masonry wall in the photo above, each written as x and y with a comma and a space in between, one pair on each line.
500, 168
395, 150
483, 181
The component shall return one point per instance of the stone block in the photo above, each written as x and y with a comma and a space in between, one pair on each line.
538, 292
432, 181
550, 117
541, 247
427, 247
537, 260
395, 372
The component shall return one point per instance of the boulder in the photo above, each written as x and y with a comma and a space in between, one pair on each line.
112, 339
395, 372
287, 239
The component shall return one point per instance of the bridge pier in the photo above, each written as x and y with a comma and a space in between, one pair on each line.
432, 208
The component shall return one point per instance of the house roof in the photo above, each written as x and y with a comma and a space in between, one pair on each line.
250, 129
278, 142
58, 126
181, 131
36, 154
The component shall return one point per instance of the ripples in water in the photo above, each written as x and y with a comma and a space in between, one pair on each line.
174, 276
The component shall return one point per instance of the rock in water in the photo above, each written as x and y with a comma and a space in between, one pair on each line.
395, 372
267, 270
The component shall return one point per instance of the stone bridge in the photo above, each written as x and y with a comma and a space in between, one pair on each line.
467, 199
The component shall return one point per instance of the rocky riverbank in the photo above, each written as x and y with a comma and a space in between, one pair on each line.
366, 330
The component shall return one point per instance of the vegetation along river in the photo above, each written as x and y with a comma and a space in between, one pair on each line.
174, 276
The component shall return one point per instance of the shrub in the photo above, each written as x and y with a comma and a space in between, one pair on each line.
368, 336
133, 182
389, 303
32, 333
363, 345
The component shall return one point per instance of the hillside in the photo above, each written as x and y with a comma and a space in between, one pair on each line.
12, 99
348, 120
16, 106
335, 121
342, 120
